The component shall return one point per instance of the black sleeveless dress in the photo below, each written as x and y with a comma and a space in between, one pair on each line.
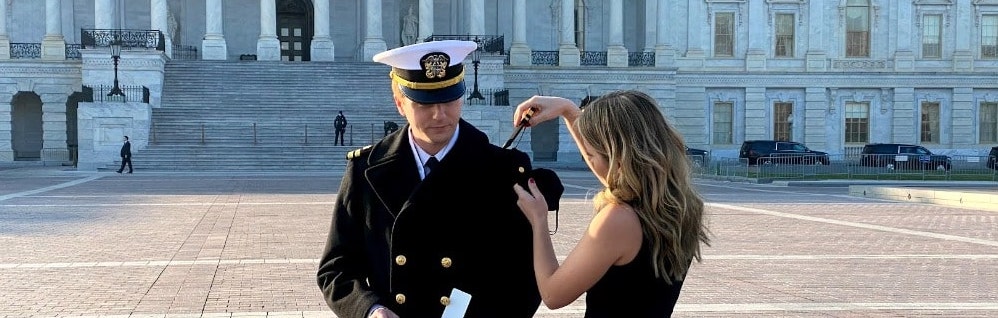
632, 290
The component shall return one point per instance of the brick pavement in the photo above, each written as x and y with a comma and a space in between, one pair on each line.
219, 245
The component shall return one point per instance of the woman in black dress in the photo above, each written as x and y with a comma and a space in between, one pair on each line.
649, 221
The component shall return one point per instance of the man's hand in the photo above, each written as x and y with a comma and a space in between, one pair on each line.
383, 312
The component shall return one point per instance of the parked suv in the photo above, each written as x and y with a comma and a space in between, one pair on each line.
786, 152
899, 156
993, 158
699, 157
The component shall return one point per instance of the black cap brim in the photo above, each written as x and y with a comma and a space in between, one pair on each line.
434, 96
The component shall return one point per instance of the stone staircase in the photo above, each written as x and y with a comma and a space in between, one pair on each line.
264, 116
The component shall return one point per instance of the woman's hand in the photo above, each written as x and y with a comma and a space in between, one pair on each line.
545, 108
532, 204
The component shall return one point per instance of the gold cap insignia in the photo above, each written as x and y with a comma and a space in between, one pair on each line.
435, 65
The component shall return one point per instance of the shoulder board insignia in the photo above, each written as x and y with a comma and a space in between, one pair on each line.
356, 153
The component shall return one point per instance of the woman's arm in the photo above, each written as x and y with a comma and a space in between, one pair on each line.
613, 237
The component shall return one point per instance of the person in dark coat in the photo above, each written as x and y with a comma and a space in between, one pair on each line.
126, 156
340, 124
428, 214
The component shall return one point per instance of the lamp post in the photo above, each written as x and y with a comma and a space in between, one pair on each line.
476, 57
116, 55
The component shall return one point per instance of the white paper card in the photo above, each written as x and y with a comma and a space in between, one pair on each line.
459, 301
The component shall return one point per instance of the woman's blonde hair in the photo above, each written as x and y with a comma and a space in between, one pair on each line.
648, 170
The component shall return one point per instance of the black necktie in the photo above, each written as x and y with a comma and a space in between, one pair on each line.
430, 164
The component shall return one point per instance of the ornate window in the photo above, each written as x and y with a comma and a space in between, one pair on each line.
784, 35
932, 36
929, 128
857, 122
858, 27
723, 123
988, 122
724, 34
783, 118
989, 36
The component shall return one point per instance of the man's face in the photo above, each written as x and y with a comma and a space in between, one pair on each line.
432, 125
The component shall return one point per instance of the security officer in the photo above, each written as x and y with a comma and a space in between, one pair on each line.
428, 213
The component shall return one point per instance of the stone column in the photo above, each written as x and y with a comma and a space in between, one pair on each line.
104, 14
54, 148
963, 55
425, 19
53, 44
651, 14
519, 50
6, 138
816, 60
568, 52
4, 39
373, 41
697, 23
322, 44
616, 53
268, 48
904, 57
755, 57
476, 17
213, 46
665, 55
158, 19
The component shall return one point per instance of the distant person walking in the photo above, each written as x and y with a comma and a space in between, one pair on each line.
340, 123
126, 156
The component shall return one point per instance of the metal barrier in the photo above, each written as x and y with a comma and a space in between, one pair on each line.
865, 167
264, 133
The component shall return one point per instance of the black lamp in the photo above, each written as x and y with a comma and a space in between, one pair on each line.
116, 55
476, 57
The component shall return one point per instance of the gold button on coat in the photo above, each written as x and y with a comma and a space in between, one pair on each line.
444, 301
400, 260
400, 298
522, 170
445, 262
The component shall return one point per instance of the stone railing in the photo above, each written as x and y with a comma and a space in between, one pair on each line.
129, 39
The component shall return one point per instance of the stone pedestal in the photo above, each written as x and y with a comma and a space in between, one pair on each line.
520, 55
568, 55
268, 49
755, 60
372, 47
323, 50
4, 47
665, 56
816, 62
616, 56
963, 61
214, 48
904, 61
53, 47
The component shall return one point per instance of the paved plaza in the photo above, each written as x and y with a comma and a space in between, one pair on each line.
89, 244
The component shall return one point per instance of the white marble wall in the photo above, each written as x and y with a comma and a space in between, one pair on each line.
102, 127
136, 68
53, 82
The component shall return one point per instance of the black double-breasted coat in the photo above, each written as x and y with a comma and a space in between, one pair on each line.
405, 243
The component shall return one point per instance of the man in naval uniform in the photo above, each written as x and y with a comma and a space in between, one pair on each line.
426, 219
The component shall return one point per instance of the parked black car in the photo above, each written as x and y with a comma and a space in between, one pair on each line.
902, 156
993, 158
699, 157
780, 152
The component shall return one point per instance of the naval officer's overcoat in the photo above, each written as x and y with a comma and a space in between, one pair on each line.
405, 243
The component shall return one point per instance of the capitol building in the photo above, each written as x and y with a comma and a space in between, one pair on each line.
203, 84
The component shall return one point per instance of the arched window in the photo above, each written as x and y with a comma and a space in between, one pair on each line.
857, 28
580, 24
